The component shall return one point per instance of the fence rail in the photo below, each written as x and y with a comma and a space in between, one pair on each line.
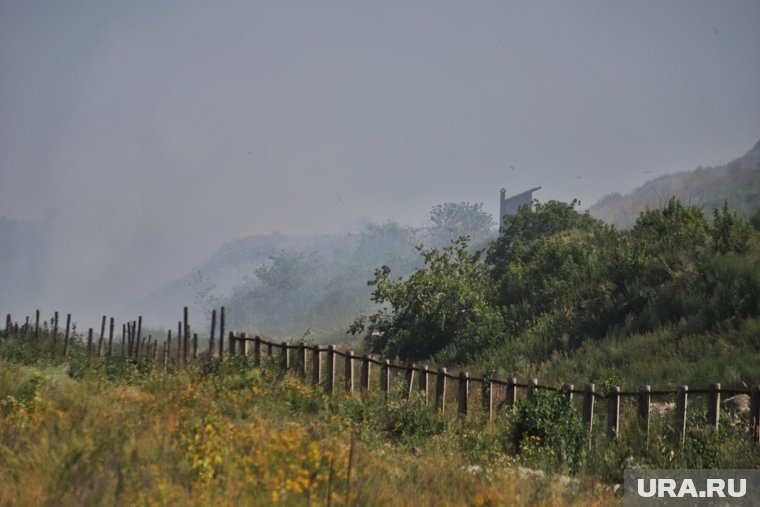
410, 378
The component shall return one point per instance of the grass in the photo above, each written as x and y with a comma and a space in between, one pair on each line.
108, 432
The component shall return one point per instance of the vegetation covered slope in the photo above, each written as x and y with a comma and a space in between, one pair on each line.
675, 299
737, 182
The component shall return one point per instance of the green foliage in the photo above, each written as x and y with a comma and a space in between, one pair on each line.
441, 309
559, 284
548, 426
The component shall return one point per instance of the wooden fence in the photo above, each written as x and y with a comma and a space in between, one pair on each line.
318, 365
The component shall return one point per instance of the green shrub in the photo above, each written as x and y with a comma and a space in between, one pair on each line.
547, 429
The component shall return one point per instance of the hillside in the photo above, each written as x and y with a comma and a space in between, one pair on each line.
738, 182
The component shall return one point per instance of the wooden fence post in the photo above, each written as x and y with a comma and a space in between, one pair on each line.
89, 343
123, 341
424, 377
110, 336
315, 366
36, 325
682, 401
568, 390
489, 397
285, 356
330, 374
613, 413
588, 408
644, 408
242, 345
139, 335
8, 320
532, 386
231, 343
66, 336
269, 349
464, 384
55, 331
349, 369
195, 345
410, 381
754, 413
385, 378
102, 334
365, 373
440, 391
257, 351
186, 330
167, 349
511, 391
302, 360
179, 344
713, 406
221, 333
211, 335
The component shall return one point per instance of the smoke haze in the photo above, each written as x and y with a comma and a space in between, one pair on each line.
140, 135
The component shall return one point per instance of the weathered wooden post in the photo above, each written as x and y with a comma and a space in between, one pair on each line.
532, 386
385, 378
511, 391
302, 360
195, 346
588, 408
488, 397
682, 400
66, 336
713, 406
89, 343
165, 355
36, 325
365, 373
464, 385
123, 339
330, 380
102, 334
110, 336
284, 356
424, 378
644, 408
440, 391
242, 345
754, 413
257, 351
410, 380
349, 369
567, 389
167, 349
211, 334
613, 413
231, 343
221, 332
139, 335
315, 366
8, 320
55, 331
179, 344
269, 349
186, 331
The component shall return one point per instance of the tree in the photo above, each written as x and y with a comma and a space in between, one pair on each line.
450, 221
441, 309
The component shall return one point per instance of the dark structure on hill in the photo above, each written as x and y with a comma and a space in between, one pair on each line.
510, 205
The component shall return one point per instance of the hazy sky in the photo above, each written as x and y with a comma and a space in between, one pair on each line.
156, 130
